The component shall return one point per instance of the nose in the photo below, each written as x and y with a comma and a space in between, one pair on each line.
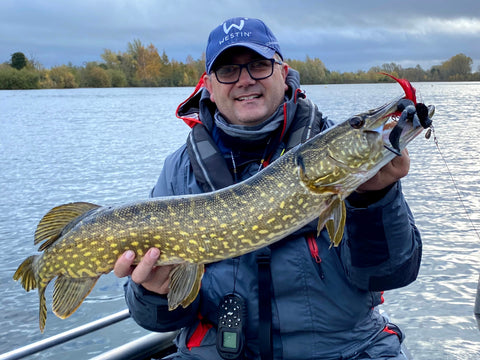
245, 78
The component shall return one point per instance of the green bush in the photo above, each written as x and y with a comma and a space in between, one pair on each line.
117, 78
95, 76
13, 79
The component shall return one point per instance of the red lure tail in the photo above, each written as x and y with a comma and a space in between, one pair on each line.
406, 86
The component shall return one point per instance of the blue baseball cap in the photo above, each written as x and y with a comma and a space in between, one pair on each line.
240, 31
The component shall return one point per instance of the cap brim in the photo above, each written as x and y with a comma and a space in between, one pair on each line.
262, 50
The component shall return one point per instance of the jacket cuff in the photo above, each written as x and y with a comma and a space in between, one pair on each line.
150, 310
145, 295
367, 198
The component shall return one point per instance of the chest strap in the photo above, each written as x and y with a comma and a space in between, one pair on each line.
208, 164
264, 307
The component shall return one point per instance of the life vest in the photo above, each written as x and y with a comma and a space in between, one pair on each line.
208, 163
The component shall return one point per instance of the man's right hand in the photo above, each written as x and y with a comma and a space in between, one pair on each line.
152, 277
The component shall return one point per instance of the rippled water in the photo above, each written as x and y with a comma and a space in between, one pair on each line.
107, 146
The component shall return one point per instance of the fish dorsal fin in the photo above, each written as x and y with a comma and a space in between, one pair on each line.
69, 293
56, 220
185, 280
334, 220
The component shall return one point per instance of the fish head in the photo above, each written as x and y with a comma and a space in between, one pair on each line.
390, 127
357, 144
344, 156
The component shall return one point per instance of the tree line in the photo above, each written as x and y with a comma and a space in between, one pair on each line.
143, 66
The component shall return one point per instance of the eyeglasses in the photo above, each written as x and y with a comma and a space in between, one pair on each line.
257, 69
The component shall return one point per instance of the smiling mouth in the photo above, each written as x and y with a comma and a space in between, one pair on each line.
245, 98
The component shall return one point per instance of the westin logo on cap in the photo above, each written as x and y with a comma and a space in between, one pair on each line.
236, 34
239, 27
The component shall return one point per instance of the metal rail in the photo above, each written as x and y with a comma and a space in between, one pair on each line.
145, 345
142, 348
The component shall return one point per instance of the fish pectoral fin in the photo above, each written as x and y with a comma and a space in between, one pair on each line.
185, 280
69, 293
334, 220
336, 225
26, 273
59, 218
318, 185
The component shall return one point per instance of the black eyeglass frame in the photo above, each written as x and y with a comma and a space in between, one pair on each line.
246, 66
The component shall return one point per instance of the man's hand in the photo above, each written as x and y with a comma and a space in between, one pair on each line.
390, 173
146, 273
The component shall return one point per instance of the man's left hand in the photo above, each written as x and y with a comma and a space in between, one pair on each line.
389, 174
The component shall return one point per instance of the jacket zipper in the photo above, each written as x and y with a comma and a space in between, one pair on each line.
312, 245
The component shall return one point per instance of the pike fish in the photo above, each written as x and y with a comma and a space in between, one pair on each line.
81, 241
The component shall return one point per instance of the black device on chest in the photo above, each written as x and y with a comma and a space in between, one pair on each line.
232, 314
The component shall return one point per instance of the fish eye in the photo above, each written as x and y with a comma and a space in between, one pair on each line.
356, 122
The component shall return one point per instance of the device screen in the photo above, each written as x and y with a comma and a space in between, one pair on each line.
230, 340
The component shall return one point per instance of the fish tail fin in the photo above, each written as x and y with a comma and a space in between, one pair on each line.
58, 220
27, 274
69, 293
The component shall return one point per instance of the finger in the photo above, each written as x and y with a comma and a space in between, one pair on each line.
144, 268
123, 266
400, 165
161, 280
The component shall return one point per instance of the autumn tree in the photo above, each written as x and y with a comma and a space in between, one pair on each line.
312, 71
458, 67
112, 60
61, 77
147, 62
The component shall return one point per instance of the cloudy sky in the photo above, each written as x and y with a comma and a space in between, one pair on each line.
347, 35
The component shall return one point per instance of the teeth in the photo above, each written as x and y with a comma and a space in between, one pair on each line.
248, 97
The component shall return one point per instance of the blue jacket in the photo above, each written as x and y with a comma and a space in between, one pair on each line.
323, 299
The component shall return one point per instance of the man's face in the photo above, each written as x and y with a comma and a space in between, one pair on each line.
248, 101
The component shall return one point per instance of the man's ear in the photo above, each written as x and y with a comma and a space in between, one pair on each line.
208, 86
285, 68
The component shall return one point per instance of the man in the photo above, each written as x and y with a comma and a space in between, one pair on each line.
301, 299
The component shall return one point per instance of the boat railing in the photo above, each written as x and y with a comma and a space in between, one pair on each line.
142, 348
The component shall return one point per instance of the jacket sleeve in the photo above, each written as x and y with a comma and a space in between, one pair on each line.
148, 309
382, 247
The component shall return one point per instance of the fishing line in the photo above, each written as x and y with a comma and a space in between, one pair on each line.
459, 195
476, 307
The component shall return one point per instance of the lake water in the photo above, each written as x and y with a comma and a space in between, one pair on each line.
107, 146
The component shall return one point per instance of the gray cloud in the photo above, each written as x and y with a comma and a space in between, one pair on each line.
346, 35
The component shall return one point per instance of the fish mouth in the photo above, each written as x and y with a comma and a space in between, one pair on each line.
398, 131
398, 122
